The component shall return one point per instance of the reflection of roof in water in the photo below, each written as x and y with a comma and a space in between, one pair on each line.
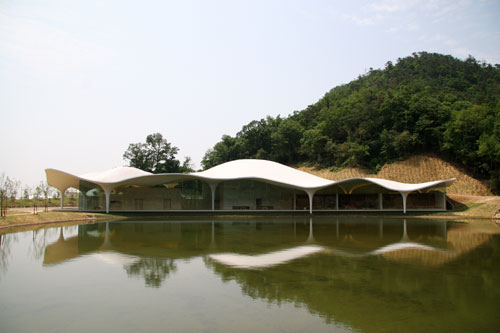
281, 257
187, 240
61, 250
115, 258
365, 295
265, 260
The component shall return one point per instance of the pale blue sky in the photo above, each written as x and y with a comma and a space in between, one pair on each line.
80, 80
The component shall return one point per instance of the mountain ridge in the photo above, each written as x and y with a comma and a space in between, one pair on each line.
426, 103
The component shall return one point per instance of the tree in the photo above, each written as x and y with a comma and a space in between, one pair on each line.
37, 192
3, 191
26, 192
46, 189
156, 155
424, 103
13, 190
187, 165
8, 190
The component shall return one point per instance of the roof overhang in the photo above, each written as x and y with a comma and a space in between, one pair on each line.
261, 170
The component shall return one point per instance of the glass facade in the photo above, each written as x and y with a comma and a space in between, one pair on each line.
181, 195
429, 200
392, 200
326, 199
248, 194
91, 197
358, 201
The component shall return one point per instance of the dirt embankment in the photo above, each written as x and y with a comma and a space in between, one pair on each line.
417, 169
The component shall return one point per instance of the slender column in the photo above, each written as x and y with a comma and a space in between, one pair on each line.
107, 192
380, 204
294, 201
310, 193
444, 200
62, 197
213, 187
337, 199
404, 195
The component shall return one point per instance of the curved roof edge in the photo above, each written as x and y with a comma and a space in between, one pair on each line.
262, 170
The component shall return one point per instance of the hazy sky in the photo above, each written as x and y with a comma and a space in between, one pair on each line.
80, 80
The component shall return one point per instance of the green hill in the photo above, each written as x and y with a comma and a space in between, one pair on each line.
425, 103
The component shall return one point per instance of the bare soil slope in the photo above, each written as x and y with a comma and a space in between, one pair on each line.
417, 169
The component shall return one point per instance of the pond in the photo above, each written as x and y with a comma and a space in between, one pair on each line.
253, 274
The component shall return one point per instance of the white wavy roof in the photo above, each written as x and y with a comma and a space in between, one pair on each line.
267, 171
115, 175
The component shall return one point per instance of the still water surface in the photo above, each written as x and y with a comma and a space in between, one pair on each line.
267, 275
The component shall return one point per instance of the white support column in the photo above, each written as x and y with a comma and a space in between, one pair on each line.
310, 193
62, 197
107, 192
404, 195
213, 187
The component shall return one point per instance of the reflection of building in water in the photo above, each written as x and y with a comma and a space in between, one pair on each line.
338, 249
127, 243
364, 293
254, 185
186, 239
352, 273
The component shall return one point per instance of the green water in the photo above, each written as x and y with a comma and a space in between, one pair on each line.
267, 275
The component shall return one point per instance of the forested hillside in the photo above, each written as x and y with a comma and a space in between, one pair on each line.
425, 103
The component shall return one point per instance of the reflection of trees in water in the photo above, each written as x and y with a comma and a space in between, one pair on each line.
347, 290
154, 270
41, 238
6, 241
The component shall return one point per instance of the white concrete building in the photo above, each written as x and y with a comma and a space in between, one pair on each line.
252, 185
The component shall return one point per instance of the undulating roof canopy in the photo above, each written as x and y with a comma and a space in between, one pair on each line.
263, 170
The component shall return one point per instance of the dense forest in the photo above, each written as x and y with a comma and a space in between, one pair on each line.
425, 103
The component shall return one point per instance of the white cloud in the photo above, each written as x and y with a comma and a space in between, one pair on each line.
443, 39
393, 29
47, 49
361, 21
390, 6
412, 26
438, 9
463, 52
